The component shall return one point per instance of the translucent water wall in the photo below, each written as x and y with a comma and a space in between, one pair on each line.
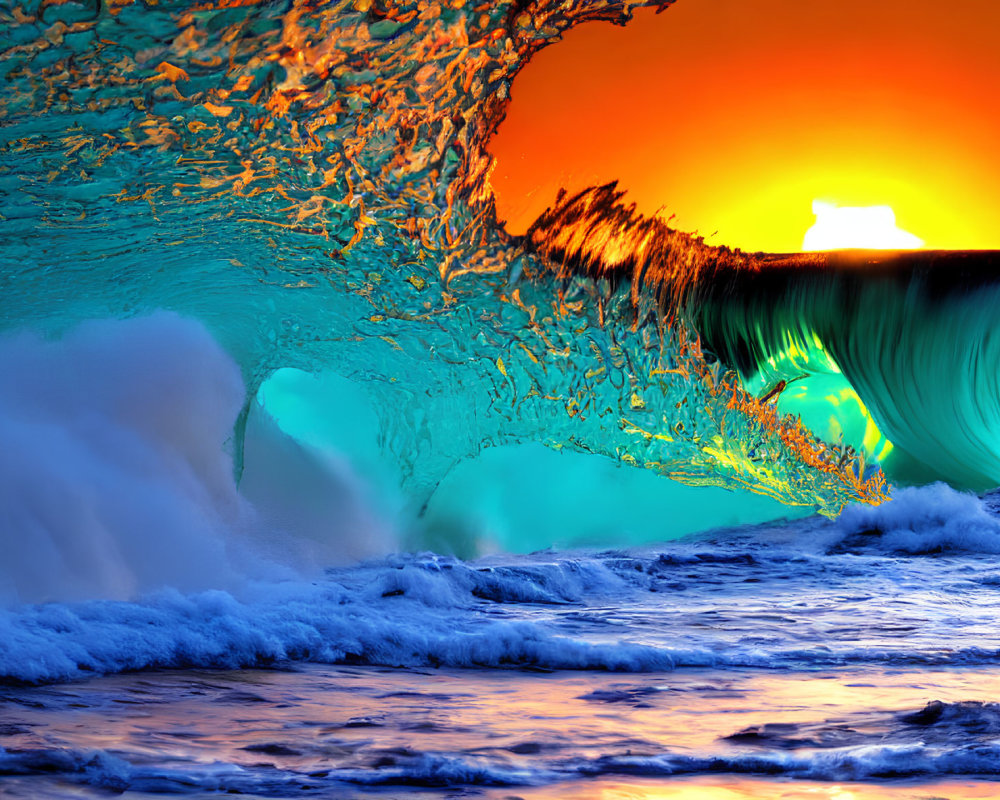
311, 181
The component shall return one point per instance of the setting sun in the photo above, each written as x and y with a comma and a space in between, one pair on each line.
734, 116
869, 228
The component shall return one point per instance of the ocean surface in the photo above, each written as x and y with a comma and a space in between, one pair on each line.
847, 659
315, 482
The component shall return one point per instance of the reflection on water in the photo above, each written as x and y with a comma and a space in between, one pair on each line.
531, 735
741, 789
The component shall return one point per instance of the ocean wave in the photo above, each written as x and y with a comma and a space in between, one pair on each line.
938, 724
120, 772
705, 602
115, 773
116, 478
321, 623
320, 196
922, 520
577, 613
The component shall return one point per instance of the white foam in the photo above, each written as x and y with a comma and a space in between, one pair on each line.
322, 622
116, 474
112, 473
926, 519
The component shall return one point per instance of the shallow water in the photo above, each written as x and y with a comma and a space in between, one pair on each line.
317, 729
813, 651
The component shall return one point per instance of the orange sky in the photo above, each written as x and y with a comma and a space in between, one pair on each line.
737, 114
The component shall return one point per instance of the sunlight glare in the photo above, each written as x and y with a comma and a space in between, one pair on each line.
869, 228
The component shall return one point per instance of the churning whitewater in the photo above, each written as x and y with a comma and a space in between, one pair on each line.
908, 584
861, 649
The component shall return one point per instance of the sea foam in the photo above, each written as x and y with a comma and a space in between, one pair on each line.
921, 520
116, 470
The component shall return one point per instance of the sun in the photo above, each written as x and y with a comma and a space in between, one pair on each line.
847, 227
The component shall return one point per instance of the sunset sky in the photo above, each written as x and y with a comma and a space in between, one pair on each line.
736, 115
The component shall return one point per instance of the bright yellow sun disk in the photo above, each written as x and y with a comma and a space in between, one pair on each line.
871, 228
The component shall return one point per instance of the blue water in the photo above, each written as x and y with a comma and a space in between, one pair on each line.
856, 650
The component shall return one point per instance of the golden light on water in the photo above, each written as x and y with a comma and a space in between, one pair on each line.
865, 227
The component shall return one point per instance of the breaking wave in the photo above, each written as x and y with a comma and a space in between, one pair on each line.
545, 611
314, 187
